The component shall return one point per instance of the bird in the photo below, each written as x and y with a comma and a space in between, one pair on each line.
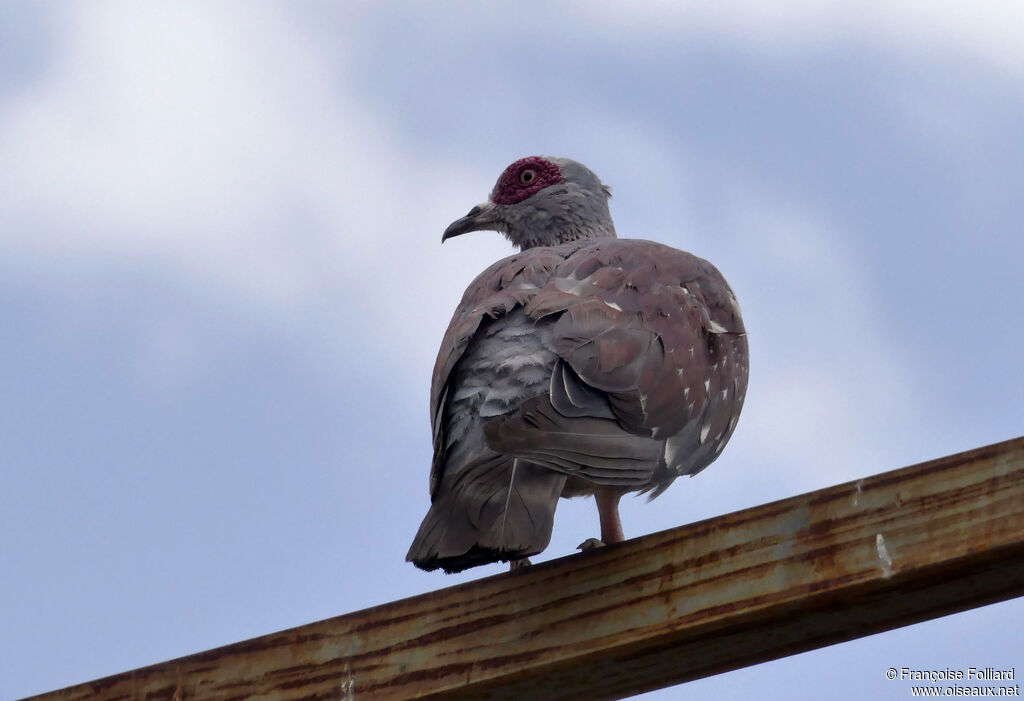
582, 365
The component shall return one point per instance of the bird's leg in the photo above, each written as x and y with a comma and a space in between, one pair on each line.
608, 511
611, 526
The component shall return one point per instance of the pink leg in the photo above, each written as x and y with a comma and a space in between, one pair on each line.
608, 511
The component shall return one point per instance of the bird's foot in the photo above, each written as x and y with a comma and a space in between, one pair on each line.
590, 544
520, 564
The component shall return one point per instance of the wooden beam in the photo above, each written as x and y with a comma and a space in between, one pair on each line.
755, 585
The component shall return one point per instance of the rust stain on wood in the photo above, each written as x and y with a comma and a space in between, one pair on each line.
815, 569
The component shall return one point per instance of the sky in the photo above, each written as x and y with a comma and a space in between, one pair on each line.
223, 288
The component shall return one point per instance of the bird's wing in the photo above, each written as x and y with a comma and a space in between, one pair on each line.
652, 348
505, 285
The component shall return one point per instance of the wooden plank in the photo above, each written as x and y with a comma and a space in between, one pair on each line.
755, 585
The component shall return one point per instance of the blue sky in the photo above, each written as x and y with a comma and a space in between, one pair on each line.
223, 287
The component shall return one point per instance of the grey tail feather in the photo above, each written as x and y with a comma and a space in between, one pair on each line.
500, 510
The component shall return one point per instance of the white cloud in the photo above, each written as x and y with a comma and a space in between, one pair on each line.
159, 132
227, 148
831, 396
230, 148
989, 31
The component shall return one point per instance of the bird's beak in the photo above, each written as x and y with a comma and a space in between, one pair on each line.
480, 217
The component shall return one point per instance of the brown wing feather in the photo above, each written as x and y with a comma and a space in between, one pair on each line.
637, 324
635, 320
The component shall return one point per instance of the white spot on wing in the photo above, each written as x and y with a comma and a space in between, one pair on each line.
521, 284
671, 451
571, 285
707, 385
704, 431
715, 327
613, 305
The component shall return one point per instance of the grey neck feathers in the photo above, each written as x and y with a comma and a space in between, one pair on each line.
559, 214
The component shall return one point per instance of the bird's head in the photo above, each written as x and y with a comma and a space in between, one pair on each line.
542, 201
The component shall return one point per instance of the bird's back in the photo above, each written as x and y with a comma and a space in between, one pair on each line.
616, 362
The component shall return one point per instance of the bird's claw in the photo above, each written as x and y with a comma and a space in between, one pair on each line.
590, 544
520, 564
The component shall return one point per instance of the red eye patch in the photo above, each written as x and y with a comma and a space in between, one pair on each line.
516, 184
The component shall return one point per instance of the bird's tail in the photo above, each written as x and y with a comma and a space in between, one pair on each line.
499, 509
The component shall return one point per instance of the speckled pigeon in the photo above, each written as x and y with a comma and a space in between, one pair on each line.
583, 365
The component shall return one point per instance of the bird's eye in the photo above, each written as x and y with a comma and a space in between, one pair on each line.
527, 176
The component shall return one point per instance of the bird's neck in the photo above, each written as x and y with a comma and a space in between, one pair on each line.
568, 235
